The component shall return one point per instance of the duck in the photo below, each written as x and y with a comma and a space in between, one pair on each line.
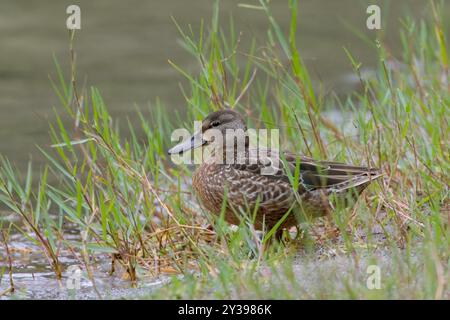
241, 182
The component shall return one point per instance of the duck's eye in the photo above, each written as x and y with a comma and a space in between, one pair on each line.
215, 123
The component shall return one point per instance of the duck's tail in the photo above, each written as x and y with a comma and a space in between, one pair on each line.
336, 176
357, 183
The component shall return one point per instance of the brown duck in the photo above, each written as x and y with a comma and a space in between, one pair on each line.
239, 176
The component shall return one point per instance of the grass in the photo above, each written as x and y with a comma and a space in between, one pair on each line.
131, 203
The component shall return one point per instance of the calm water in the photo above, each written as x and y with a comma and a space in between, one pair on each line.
124, 46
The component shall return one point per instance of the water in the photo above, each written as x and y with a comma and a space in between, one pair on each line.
34, 278
123, 48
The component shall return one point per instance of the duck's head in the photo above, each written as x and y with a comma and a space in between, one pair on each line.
217, 128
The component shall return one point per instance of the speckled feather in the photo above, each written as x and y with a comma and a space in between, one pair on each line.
245, 188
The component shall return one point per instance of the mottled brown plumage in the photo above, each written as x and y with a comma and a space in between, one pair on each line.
246, 187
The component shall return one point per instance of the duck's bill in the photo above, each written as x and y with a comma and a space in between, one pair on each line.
193, 142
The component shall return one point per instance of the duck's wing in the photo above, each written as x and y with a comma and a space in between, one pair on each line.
329, 174
312, 174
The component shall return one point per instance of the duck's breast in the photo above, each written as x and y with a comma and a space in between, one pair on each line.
208, 183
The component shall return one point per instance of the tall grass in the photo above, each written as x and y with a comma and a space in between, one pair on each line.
129, 201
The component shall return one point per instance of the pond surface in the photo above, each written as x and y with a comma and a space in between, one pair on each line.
123, 48
33, 277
